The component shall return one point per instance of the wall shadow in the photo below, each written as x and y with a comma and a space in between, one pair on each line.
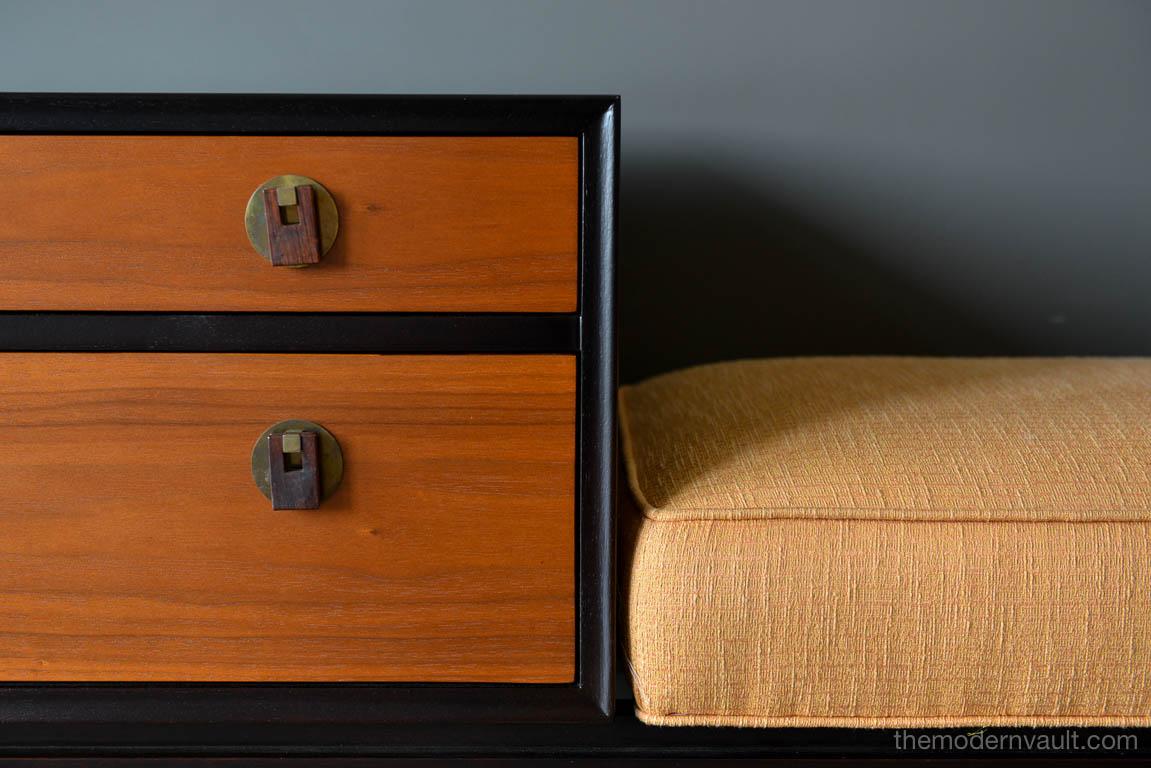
712, 268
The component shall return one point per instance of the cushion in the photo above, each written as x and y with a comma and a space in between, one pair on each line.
890, 542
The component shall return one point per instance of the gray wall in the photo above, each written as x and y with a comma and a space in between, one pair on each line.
798, 177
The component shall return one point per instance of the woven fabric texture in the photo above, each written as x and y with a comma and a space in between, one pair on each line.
893, 438
890, 543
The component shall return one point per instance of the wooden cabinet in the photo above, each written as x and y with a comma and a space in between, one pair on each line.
455, 337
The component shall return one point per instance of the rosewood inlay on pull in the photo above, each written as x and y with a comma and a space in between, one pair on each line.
294, 487
292, 244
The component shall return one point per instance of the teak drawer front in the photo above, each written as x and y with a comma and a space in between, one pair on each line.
156, 223
135, 546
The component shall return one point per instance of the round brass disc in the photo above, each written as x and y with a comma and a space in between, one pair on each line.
256, 222
331, 457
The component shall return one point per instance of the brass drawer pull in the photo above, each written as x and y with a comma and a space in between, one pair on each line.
292, 221
296, 464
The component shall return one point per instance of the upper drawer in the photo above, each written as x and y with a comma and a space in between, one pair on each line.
157, 223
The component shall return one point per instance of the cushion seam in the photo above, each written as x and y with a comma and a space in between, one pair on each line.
941, 719
693, 515
874, 717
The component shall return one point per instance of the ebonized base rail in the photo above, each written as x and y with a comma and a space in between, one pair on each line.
620, 741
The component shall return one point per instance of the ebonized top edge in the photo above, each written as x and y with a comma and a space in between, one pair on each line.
299, 114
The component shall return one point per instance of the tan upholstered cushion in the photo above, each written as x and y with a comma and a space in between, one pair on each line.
890, 542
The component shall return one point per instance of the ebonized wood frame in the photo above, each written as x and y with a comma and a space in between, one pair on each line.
130, 709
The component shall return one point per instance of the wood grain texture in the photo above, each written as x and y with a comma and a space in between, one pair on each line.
427, 224
136, 547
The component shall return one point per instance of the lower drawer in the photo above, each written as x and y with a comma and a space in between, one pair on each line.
135, 546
